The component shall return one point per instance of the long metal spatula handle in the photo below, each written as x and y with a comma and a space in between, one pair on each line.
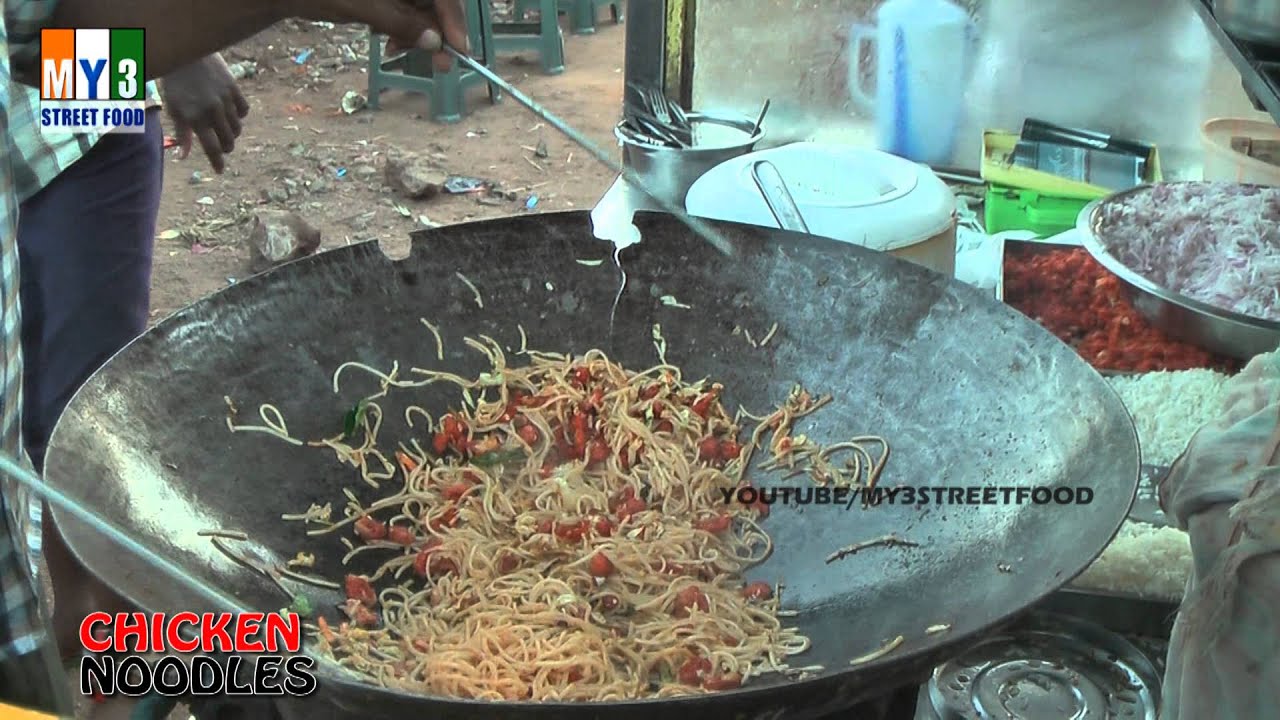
63, 502
701, 228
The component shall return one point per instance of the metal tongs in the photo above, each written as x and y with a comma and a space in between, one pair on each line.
656, 119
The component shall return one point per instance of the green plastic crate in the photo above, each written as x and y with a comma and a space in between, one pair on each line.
1044, 215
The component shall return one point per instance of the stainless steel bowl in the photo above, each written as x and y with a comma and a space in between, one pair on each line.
1208, 327
670, 172
1256, 21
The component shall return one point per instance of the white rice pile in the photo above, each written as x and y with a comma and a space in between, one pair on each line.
1143, 560
1167, 409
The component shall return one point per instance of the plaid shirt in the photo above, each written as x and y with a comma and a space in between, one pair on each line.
22, 629
41, 158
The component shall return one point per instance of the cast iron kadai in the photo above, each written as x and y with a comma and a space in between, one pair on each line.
968, 391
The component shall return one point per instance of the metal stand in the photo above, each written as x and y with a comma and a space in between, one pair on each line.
1259, 69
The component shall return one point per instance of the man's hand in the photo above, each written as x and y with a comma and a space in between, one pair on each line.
423, 24
204, 103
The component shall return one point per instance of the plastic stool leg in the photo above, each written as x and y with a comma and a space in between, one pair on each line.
583, 16
375, 71
446, 95
552, 42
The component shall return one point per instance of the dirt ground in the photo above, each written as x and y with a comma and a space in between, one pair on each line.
302, 152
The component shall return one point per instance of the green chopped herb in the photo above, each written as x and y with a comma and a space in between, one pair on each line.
301, 605
353, 418
498, 457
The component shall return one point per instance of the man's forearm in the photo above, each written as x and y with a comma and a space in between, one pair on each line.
179, 32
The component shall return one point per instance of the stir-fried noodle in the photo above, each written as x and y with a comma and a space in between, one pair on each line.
564, 535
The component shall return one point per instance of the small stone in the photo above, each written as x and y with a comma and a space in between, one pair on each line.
414, 177
276, 194
319, 186
278, 237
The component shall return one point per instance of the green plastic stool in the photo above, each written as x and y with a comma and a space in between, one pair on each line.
413, 72
582, 13
543, 36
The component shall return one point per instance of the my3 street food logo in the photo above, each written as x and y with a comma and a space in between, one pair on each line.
136, 654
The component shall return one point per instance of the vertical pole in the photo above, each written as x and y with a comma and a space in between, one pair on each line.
681, 18
645, 43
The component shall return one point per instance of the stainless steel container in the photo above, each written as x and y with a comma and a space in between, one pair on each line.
1182, 318
1256, 21
670, 172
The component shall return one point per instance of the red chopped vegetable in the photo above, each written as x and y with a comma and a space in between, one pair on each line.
571, 532
457, 490
630, 506
529, 434
369, 529
689, 598
600, 566
709, 449
727, 681
693, 670
730, 450
757, 591
1086, 306
603, 527
714, 525
702, 405
401, 535
359, 588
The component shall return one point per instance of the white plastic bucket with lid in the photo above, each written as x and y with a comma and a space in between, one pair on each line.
1221, 162
854, 195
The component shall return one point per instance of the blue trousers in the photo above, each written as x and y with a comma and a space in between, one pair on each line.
86, 242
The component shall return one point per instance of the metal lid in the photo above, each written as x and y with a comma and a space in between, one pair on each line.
1053, 667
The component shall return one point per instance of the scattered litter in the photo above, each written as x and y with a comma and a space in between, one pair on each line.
301, 58
413, 176
671, 301
353, 102
541, 150
341, 172
206, 200
169, 235
231, 281
462, 184
404, 211
198, 249
477, 133
591, 263
278, 237
427, 222
298, 109
243, 69
531, 203
550, 287
196, 178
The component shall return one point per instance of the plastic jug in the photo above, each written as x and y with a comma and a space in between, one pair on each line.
923, 50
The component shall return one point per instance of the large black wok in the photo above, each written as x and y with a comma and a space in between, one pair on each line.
967, 391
